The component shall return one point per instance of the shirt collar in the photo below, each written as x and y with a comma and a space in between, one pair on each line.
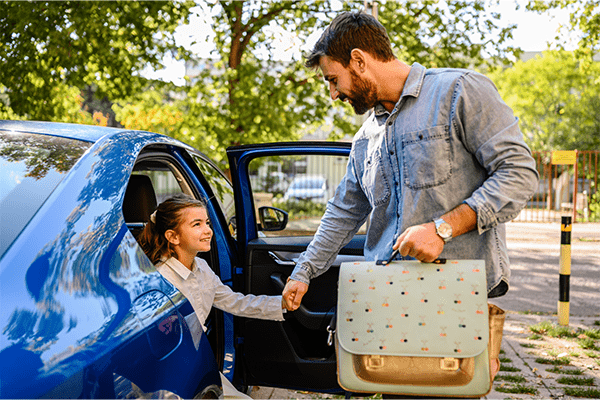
412, 87
178, 267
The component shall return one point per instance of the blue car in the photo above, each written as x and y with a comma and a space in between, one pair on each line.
84, 313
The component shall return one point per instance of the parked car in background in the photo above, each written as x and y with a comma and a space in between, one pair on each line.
308, 187
84, 313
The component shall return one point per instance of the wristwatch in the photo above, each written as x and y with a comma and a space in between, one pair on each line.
443, 229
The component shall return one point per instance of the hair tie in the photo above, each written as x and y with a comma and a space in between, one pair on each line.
153, 217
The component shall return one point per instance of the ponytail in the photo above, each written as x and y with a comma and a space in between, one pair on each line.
166, 217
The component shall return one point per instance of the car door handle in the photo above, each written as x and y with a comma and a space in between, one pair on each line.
279, 261
315, 320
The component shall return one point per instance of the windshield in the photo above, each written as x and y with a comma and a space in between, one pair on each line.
31, 166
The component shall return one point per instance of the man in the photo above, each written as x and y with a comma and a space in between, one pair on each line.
438, 167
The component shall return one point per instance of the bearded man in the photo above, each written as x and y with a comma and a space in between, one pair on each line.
438, 167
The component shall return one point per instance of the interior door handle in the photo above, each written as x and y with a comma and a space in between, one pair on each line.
279, 261
315, 320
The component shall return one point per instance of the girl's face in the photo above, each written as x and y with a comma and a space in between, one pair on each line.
194, 232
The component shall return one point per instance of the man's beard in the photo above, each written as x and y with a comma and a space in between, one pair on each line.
363, 94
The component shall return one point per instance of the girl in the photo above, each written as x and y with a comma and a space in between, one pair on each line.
177, 231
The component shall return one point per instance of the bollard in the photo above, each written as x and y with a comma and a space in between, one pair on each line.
564, 271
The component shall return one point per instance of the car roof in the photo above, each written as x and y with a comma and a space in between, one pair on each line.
88, 133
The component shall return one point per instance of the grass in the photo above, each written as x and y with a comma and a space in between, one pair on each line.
505, 360
528, 345
509, 368
536, 336
580, 392
556, 361
564, 371
592, 333
588, 344
591, 354
518, 388
510, 378
597, 323
573, 380
586, 338
553, 330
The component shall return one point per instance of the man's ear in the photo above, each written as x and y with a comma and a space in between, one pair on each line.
172, 237
359, 59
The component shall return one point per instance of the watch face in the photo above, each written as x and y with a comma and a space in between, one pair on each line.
445, 230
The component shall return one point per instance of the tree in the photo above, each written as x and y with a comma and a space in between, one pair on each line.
556, 101
459, 34
247, 98
584, 17
248, 95
102, 44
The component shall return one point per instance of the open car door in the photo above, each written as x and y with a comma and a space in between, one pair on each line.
281, 192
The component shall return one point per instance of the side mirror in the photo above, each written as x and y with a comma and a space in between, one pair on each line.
272, 219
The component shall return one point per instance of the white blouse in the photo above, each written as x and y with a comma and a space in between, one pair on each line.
203, 288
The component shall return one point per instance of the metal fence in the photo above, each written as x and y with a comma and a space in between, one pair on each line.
570, 189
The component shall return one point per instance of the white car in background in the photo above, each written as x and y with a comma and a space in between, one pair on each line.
308, 187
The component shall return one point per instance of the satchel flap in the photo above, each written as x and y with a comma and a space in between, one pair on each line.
409, 308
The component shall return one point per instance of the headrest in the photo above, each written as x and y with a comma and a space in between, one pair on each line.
140, 199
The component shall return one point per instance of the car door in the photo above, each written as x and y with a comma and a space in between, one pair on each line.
295, 353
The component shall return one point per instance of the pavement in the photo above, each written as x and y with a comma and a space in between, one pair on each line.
528, 356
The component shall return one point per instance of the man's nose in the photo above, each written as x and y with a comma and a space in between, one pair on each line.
333, 92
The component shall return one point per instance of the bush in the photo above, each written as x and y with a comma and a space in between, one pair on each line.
300, 208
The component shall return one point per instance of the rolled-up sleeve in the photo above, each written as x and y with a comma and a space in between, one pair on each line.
345, 214
491, 133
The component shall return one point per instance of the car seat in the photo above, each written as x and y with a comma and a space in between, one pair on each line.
139, 203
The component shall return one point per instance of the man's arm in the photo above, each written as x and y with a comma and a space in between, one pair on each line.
422, 241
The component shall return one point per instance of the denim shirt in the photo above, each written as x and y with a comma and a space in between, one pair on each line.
449, 140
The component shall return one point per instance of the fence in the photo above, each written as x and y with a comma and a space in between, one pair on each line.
565, 189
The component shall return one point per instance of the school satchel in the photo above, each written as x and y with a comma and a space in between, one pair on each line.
413, 328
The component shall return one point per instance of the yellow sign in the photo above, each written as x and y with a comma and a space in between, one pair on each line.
564, 157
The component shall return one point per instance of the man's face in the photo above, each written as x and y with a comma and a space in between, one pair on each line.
347, 85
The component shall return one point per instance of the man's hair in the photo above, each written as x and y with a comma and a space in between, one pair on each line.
350, 31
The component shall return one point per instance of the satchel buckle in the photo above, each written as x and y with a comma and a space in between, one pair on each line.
375, 362
449, 364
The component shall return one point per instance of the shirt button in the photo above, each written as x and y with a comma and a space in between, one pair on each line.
392, 152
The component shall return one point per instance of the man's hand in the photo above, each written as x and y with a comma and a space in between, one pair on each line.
421, 242
293, 293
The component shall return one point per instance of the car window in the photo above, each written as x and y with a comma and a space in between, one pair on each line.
31, 166
299, 185
221, 188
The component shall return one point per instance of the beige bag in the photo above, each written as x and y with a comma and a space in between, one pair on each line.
416, 329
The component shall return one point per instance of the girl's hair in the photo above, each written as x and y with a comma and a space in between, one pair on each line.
348, 31
168, 215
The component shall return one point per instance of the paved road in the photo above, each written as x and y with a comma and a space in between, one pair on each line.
534, 251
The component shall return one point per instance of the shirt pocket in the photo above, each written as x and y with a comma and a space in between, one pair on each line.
374, 180
427, 157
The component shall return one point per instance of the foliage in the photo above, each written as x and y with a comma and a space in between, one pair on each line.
556, 100
55, 53
300, 208
151, 110
584, 16
48, 44
459, 34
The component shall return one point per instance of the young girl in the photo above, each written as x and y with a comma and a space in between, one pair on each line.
177, 231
